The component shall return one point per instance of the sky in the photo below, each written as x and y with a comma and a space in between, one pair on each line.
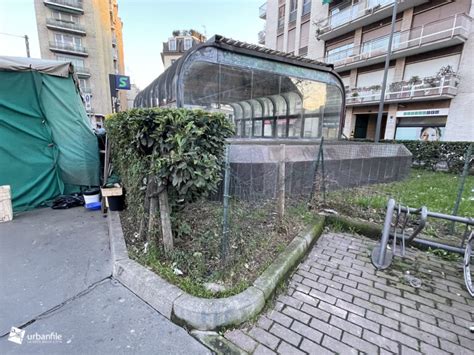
147, 24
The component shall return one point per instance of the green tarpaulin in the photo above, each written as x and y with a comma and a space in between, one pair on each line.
46, 142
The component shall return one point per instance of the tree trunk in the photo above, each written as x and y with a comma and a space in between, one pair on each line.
165, 214
142, 231
153, 209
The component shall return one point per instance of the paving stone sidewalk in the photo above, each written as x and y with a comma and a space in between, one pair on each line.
337, 302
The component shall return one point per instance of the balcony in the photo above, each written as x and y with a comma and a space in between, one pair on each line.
358, 15
261, 37
262, 11
68, 48
426, 89
65, 26
431, 36
82, 71
74, 6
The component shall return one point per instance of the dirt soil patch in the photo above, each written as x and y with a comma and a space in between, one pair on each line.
256, 237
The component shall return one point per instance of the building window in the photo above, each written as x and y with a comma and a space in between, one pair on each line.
65, 17
172, 44
77, 62
306, 7
74, 41
188, 43
281, 17
84, 85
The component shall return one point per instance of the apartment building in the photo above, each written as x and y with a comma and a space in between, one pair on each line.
430, 91
179, 43
87, 33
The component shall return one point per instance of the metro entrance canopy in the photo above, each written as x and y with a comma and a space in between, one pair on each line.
268, 94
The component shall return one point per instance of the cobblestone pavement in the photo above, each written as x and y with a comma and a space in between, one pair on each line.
337, 302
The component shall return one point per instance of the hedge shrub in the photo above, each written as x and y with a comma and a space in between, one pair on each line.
181, 150
431, 155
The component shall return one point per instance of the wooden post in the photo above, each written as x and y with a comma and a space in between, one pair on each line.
152, 206
165, 214
281, 182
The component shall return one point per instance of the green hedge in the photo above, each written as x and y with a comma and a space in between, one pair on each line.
177, 150
429, 154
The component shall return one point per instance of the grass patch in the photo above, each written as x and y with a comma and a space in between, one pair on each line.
256, 237
435, 190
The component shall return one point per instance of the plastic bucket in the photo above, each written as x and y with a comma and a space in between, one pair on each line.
91, 196
116, 203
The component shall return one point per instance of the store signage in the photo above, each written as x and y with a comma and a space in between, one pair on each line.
424, 113
122, 82
88, 102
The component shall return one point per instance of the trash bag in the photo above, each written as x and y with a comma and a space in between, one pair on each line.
67, 201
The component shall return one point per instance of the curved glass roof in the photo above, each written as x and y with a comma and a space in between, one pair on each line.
266, 93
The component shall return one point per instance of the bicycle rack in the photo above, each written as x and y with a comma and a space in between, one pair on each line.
382, 256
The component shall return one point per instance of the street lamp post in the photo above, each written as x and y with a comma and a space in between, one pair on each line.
385, 73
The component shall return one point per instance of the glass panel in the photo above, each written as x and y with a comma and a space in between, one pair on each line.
295, 101
268, 128
257, 108
238, 113
257, 128
267, 106
238, 128
247, 109
248, 128
380, 44
340, 53
420, 133
281, 128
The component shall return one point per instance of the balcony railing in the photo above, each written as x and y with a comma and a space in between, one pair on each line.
353, 12
70, 4
71, 26
261, 37
67, 47
262, 11
433, 32
426, 88
292, 16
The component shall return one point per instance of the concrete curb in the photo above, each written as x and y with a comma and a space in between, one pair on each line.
202, 313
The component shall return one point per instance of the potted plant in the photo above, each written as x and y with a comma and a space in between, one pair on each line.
445, 71
414, 80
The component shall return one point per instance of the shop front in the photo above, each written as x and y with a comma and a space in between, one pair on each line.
423, 125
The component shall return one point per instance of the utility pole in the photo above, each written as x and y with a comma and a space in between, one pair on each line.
27, 44
25, 37
385, 73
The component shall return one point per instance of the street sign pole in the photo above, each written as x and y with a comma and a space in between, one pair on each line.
385, 73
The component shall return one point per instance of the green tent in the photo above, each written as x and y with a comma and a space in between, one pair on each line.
47, 146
